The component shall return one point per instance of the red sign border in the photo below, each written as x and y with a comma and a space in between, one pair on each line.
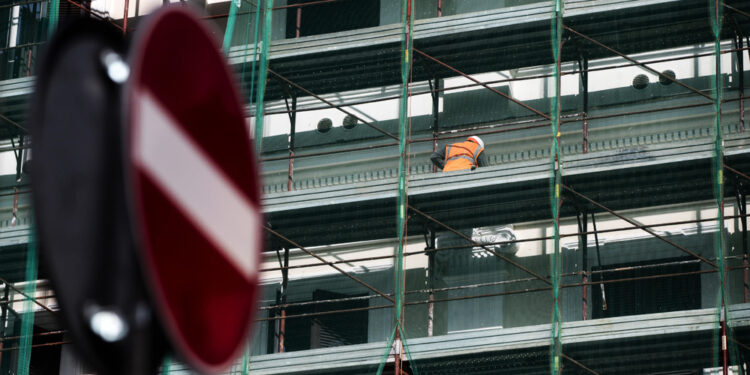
135, 203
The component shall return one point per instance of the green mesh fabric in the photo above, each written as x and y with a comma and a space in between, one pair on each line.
166, 365
402, 201
555, 198
725, 343
262, 72
54, 14
231, 20
27, 318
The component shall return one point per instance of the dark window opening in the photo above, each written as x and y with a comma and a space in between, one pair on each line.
69, 11
13, 263
19, 60
329, 330
647, 296
46, 348
45, 357
331, 17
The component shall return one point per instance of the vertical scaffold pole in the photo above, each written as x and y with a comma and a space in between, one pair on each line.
741, 70
293, 114
435, 92
555, 180
4, 306
739, 191
298, 25
125, 18
282, 300
746, 276
583, 241
431, 277
584, 65
292, 136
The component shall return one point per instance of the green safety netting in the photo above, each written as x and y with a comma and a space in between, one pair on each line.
606, 233
25, 26
498, 274
27, 319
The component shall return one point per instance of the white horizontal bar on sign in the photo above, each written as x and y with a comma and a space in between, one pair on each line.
196, 184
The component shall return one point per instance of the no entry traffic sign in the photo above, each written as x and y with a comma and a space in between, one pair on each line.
194, 187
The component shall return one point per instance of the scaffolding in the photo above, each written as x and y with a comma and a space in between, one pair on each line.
608, 234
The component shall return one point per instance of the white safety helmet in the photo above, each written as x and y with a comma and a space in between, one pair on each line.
476, 140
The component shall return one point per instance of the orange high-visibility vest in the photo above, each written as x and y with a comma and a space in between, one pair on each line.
460, 156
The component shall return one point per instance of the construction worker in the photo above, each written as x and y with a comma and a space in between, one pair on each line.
461, 155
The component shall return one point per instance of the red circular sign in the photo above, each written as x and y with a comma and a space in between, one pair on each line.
194, 187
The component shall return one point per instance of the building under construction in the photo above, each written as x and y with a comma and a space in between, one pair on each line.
608, 235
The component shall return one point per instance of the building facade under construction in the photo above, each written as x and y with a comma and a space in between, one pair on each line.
607, 235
